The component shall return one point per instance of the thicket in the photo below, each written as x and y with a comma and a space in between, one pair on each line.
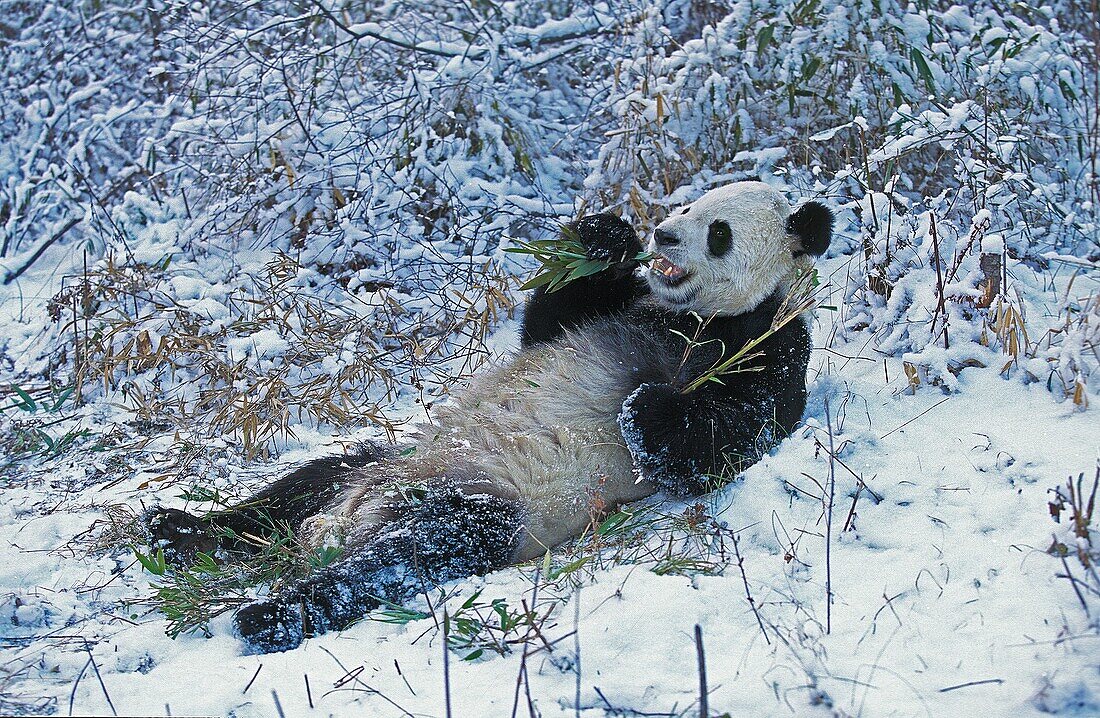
295, 211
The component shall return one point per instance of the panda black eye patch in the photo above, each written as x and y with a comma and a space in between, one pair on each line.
718, 238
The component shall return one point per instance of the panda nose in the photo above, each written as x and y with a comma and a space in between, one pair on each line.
664, 238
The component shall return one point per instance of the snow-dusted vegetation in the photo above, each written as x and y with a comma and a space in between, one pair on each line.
234, 236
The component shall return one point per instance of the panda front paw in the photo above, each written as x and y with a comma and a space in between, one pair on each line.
269, 626
607, 238
180, 534
655, 422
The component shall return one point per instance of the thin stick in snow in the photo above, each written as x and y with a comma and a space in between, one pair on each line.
829, 525
701, 659
253, 679
577, 650
352, 676
748, 593
72, 694
941, 308
309, 694
402, 675
446, 662
910, 421
852, 511
987, 681
522, 675
102, 685
1073, 582
16, 273
278, 705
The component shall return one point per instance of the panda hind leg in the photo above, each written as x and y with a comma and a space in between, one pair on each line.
448, 534
288, 501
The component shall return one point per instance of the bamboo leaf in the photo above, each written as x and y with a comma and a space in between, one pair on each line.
29, 404
923, 70
764, 38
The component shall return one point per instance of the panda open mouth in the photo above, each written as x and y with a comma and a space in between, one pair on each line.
671, 274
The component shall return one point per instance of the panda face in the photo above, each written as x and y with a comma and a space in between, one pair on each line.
729, 250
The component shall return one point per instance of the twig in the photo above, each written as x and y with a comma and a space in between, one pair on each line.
258, 669
353, 675
309, 694
941, 308
407, 684
1073, 582
278, 705
577, 650
829, 526
103, 686
471, 53
852, 510
857, 477
72, 694
748, 593
522, 675
972, 683
446, 662
16, 273
910, 421
701, 660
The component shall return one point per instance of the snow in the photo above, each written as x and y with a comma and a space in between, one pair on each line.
945, 601
380, 184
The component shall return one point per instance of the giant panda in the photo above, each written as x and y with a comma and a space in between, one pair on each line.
591, 406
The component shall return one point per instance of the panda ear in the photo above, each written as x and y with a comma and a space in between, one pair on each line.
812, 224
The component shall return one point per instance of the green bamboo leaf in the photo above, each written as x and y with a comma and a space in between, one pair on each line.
764, 38
613, 523
538, 280
153, 563
810, 68
29, 404
587, 269
61, 398
923, 70
471, 600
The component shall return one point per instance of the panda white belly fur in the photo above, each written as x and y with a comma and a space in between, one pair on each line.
541, 428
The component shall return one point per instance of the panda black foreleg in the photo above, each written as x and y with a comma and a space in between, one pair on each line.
605, 238
448, 534
688, 443
295, 497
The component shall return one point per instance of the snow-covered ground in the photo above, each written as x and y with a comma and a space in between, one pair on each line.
234, 237
946, 601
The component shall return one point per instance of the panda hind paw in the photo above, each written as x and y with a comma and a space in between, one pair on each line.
269, 627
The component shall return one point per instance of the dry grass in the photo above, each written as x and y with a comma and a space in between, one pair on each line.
1073, 348
279, 355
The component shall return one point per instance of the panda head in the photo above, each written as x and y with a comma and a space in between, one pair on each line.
726, 252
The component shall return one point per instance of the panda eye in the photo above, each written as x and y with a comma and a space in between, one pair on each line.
718, 238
